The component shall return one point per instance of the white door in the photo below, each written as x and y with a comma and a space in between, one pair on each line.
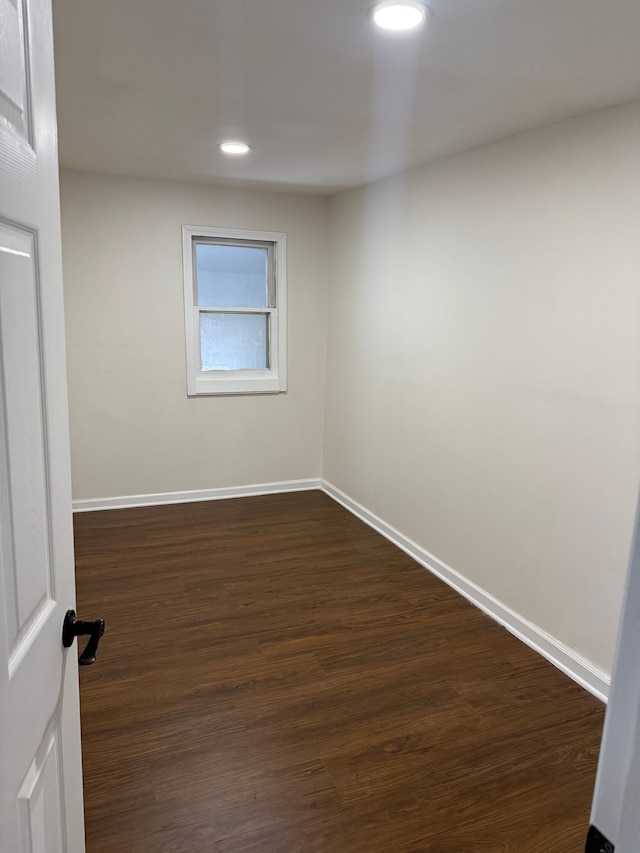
40, 767
615, 816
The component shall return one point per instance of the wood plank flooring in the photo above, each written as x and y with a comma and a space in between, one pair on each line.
275, 677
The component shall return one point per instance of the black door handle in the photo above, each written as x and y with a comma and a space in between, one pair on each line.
73, 627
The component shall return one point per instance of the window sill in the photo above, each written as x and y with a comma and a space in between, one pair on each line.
231, 383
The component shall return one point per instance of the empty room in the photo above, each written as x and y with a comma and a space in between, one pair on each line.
321, 363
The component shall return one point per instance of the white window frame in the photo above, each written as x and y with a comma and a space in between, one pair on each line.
273, 380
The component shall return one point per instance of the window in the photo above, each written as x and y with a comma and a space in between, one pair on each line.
235, 311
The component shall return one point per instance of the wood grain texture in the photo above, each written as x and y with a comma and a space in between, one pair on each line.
276, 677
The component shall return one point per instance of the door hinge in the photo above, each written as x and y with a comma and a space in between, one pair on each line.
597, 843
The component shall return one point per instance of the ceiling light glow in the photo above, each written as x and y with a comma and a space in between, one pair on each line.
234, 147
399, 15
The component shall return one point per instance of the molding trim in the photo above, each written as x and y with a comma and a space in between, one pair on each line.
93, 504
565, 659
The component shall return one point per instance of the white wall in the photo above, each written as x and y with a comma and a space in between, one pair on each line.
133, 429
483, 369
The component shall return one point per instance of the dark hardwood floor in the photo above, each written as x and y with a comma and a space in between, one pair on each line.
275, 676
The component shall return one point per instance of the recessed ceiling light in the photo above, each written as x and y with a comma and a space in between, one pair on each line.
234, 147
398, 15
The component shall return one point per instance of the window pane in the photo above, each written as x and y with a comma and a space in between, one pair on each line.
233, 342
231, 276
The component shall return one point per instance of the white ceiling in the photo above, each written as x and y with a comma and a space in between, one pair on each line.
149, 87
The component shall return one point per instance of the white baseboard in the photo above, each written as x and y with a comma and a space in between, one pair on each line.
196, 495
576, 667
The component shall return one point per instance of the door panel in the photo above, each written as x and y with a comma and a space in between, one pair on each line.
39, 800
615, 816
25, 540
40, 766
13, 87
